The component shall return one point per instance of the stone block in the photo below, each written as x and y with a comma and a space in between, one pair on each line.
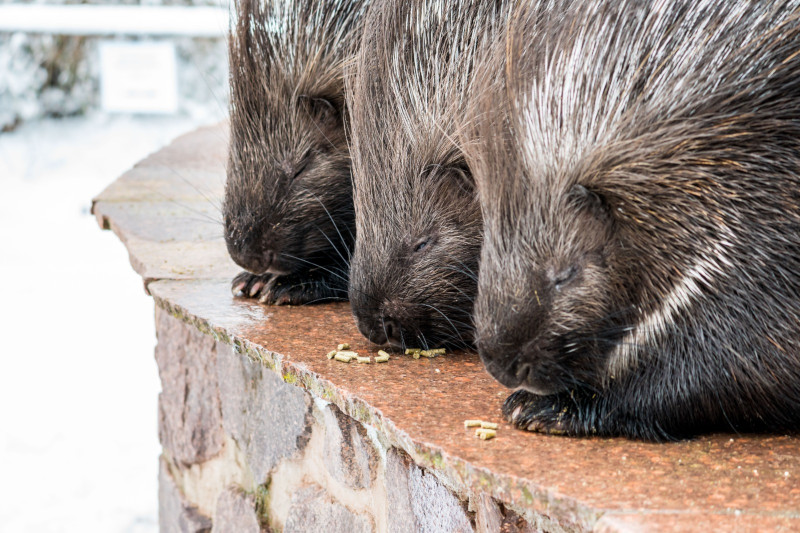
492, 516
236, 513
175, 515
350, 456
313, 510
267, 418
417, 501
189, 416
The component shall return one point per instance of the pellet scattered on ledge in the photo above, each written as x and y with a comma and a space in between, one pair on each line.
485, 434
417, 352
485, 430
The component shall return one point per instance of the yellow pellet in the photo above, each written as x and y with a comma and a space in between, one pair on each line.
331, 354
427, 353
472, 423
488, 425
437, 351
415, 355
342, 358
486, 434
343, 346
348, 354
412, 351
382, 359
362, 359
381, 353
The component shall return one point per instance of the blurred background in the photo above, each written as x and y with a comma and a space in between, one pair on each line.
86, 90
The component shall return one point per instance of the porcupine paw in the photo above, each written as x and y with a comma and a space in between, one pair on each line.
247, 285
555, 414
292, 289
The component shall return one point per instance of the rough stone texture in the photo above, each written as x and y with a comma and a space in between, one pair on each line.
313, 510
189, 417
350, 456
492, 516
174, 514
417, 501
235, 513
267, 418
171, 225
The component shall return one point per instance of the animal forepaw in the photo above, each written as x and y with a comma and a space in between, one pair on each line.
247, 285
291, 289
556, 414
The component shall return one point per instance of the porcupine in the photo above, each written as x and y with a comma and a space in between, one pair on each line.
288, 208
413, 274
639, 177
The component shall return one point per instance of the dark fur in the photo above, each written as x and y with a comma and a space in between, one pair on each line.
413, 275
643, 165
288, 207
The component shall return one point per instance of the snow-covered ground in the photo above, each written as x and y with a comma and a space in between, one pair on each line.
78, 382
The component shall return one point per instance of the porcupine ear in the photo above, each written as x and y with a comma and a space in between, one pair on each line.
589, 200
455, 178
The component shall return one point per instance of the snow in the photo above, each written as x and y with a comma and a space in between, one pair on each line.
78, 381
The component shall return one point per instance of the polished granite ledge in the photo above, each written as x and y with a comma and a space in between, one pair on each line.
163, 211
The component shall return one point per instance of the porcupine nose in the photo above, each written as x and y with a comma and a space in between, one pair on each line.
380, 330
392, 330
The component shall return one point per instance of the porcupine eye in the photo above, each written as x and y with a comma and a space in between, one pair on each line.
422, 244
563, 277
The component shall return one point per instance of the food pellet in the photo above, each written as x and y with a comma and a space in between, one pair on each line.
342, 358
362, 359
486, 434
382, 357
472, 423
348, 354
343, 346
427, 353
412, 351
331, 354
437, 351
488, 425
415, 355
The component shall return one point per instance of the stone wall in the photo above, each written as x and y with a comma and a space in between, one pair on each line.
246, 452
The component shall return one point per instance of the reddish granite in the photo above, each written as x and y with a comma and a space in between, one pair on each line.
721, 482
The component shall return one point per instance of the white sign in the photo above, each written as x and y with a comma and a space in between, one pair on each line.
138, 77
